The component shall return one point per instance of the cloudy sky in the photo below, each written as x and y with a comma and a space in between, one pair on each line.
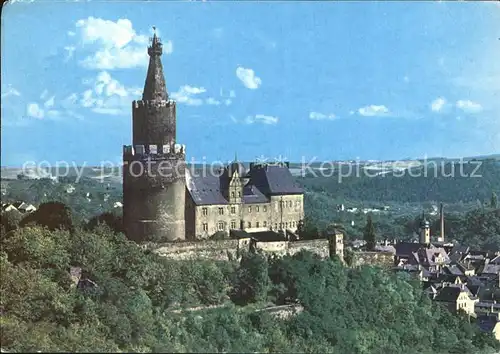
326, 80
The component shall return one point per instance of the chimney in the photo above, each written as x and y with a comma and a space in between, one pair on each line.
441, 221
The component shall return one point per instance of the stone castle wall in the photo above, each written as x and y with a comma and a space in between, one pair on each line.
382, 259
225, 249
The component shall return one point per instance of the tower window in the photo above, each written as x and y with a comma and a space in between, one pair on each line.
249, 209
239, 194
204, 211
265, 208
205, 226
232, 194
221, 211
233, 210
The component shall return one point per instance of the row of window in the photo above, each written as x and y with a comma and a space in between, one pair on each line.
221, 225
289, 203
204, 211
284, 204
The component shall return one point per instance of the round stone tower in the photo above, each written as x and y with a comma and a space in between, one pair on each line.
154, 166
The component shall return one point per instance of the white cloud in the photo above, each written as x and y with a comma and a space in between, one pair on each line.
232, 94
406, 79
70, 50
186, 95
469, 106
438, 104
105, 95
212, 101
321, 116
44, 94
49, 103
248, 78
10, 92
228, 102
34, 110
373, 110
261, 118
118, 45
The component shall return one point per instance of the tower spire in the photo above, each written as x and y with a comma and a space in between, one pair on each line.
154, 87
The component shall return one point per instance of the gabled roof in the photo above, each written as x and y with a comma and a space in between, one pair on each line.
448, 294
263, 181
453, 269
274, 180
252, 195
406, 249
495, 260
491, 269
486, 323
205, 190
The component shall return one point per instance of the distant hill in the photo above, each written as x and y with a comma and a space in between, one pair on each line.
447, 182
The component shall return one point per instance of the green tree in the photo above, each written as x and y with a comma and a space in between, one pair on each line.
53, 215
369, 234
252, 279
494, 200
10, 220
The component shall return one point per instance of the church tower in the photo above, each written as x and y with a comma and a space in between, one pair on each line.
154, 166
424, 231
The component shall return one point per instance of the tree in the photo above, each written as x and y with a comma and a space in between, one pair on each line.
112, 220
369, 234
252, 279
53, 215
494, 200
10, 220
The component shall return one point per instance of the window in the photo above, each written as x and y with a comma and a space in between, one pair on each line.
293, 224
233, 224
221, 211
281, 225
233, 210
232, 194
265, 223
249, 224
205, 226
257, 208
204, 211
275, 225
220, 226
249, 209
286, 224
257, 224
265, 208
239, 194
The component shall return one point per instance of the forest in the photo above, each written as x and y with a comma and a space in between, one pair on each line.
132, 300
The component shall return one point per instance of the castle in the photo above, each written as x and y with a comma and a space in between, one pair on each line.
166, 201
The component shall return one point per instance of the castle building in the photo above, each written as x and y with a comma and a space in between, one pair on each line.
265, 197
165, 201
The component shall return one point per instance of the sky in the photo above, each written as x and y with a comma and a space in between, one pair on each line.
298, 81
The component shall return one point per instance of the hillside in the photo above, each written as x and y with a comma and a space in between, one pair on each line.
122, 298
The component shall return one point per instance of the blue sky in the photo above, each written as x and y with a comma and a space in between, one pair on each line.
330, 81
